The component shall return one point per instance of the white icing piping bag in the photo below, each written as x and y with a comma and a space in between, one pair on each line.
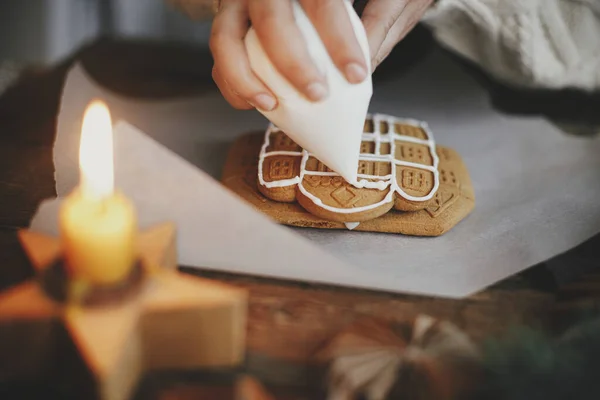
331, 129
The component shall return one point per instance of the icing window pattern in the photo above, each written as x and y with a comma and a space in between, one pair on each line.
282, 169
378, 148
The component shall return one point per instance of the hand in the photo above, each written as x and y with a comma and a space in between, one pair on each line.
387, 22
274, 23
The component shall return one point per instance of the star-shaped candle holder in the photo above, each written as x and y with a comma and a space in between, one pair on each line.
97, 341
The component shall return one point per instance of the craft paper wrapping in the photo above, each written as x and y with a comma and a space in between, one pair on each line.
536, 189
330, 129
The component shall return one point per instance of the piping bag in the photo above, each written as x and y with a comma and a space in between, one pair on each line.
331, 130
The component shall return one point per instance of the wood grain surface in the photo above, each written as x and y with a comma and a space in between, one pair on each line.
287, 320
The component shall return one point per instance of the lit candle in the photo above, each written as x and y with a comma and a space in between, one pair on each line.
97, 225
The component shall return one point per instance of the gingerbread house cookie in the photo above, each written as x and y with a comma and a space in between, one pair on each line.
406, 184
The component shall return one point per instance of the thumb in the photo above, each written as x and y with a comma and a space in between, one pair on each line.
385, 34
378, 17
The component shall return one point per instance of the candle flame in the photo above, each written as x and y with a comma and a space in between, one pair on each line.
96, 152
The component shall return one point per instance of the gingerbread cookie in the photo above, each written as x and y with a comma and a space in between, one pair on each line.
397, 168
405, 184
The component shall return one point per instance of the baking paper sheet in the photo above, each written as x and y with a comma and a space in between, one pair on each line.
536, 189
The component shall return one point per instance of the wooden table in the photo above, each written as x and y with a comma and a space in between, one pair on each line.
286, 320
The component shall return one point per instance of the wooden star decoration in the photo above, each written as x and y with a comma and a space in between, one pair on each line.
168, 320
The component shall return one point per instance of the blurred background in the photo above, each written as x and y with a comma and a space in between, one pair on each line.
46, 31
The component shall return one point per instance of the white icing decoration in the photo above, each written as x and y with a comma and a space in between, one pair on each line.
351, 225
382, 183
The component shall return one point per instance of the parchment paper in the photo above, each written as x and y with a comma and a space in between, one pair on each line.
536, 189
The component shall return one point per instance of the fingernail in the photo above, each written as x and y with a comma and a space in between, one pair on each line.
316, 91
264, 101
355, 73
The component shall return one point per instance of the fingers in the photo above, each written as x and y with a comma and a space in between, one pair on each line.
283, 42
232, 71
388, 21
232, 98
379, 16
405, 23
332, 22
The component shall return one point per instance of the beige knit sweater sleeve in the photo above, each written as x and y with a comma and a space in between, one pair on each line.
531, 43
